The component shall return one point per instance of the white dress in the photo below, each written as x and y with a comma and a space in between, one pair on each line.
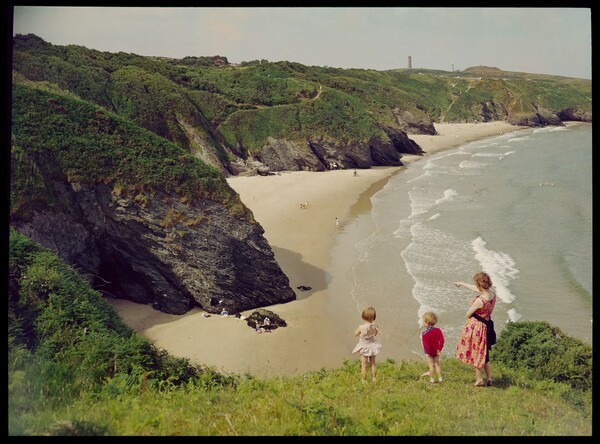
368, 345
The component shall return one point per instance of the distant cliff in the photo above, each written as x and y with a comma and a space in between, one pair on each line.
288, 116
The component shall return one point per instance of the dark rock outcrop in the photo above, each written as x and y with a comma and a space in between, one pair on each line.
402, 143
492, 111
163, 252
323, 153
286, 155
414, 124
542, 117
258, 318
263, 171
575, 114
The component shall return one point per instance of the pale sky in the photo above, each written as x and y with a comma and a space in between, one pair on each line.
554, 41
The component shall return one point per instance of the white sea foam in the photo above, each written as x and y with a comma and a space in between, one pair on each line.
550, 129
499, 266
448, 195
403, 229
488, 154
518, 139
432, 287
423, 199
513, 316
471, 164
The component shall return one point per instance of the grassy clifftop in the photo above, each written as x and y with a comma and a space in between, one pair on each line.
74, 369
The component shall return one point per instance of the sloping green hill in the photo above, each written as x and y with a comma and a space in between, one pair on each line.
55, 134
231, 111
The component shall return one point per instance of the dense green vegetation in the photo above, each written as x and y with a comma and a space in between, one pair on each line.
57, 136
547, 353
74, 368
238, 107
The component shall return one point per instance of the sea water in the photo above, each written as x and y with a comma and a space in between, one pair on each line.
517, 206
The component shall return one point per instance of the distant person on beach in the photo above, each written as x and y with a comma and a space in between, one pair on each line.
337, 222
368, 346
476, 338
433, 343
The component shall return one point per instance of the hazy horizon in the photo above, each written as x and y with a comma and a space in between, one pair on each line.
554, 41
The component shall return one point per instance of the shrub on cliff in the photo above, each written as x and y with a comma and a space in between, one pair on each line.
546, 351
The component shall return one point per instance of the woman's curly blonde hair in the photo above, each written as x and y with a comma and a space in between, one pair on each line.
482, 280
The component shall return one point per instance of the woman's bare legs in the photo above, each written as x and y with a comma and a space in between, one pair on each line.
488, 374
478, 377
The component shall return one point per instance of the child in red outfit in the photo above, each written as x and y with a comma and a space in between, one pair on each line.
433, 343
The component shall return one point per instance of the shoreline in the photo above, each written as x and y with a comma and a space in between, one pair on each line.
317, 335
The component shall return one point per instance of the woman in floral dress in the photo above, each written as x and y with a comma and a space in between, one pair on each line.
473, 347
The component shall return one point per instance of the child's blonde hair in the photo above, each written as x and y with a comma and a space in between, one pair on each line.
369, 314
429, 318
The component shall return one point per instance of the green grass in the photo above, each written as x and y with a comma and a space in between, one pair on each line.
330, 403
74, 368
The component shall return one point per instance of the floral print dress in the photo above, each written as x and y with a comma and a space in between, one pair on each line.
472, 344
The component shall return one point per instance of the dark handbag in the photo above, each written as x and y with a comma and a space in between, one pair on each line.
490, 334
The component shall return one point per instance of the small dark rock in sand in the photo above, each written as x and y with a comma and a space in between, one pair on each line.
259, 315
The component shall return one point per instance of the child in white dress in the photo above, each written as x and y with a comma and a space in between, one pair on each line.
368, 346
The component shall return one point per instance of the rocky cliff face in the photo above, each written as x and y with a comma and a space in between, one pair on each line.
159, 250
493, 111
414, 124
136, 214
575, 114
322, 153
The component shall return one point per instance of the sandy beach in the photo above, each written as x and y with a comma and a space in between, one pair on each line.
302, 240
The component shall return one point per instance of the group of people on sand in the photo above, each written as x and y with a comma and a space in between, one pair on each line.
473, 346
